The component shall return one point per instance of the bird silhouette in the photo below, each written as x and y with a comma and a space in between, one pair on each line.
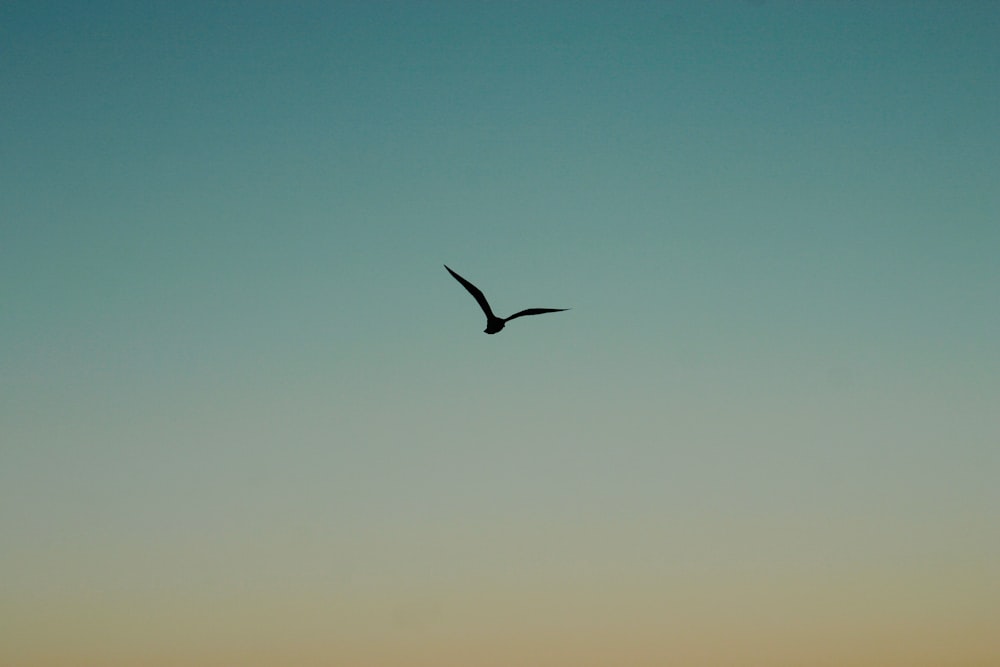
493, 323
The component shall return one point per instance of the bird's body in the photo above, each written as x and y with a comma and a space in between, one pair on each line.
495, 324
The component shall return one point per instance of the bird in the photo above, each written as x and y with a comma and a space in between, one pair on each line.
495, 324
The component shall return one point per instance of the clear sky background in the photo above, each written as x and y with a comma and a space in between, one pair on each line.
247, 418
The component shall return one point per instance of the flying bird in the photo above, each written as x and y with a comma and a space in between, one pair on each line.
493, 323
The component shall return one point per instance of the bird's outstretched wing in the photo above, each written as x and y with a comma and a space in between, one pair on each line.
534, 311
475, 292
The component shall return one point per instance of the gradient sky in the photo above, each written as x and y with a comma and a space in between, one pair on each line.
247, 418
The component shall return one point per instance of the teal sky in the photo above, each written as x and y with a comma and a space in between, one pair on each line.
246, 417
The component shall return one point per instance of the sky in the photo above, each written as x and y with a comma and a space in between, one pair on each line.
247, 418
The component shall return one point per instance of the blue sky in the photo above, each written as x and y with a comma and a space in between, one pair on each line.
241, 398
